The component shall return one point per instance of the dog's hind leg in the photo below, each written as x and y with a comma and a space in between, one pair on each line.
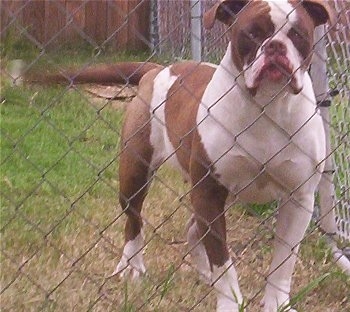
135, 170
134, 174
134, 184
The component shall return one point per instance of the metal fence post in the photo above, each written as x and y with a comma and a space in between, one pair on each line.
196, 30
154, 27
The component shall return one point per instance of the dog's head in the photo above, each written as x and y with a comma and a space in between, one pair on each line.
271, 41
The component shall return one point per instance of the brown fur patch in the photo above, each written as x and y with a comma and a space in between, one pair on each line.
208, 199
254, 19
182, 105
180, 114
302, 33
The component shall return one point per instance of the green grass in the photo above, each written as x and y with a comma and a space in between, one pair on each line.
61, 239
54, 146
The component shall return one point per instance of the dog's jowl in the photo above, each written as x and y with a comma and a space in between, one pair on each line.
247, 130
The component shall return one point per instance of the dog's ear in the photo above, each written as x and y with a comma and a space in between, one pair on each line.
320, 11
224, 11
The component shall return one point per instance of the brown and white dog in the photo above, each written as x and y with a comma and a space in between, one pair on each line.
248, 128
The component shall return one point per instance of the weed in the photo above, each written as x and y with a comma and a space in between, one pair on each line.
127, 306
167, 284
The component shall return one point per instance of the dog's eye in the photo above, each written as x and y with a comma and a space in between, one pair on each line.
295, 34
249, 40
300, 40
254, 34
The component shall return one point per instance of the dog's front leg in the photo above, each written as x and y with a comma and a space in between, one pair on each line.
207, 240
294, 215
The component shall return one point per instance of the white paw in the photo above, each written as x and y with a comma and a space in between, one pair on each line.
131, 263
227, 305
133, 267
229, 297
272, 306
280, 309
276, 301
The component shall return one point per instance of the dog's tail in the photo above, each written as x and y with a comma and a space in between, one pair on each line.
117, 73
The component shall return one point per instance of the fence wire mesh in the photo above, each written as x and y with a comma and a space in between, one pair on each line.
61, 225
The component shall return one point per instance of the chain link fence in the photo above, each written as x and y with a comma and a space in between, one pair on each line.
61, 225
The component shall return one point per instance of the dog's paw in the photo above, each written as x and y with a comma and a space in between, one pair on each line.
278, 302
133, 267
280, 309
272, 306
227, 305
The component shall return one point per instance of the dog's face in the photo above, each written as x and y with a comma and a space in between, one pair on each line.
271, 41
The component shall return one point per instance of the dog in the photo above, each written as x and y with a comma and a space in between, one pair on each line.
247, 130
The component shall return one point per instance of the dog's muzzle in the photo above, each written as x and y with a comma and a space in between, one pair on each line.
276, 67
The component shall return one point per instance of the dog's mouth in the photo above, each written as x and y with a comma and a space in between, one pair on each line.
276, 69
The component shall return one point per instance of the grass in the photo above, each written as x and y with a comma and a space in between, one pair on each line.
61, 228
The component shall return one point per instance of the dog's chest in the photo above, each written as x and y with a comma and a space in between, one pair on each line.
260, 171
257, 182
261, 158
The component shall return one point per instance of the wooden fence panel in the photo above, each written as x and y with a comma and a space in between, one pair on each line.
57, 22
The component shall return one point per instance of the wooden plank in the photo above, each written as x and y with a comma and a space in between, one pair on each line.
33, 19
132, 25
117, 23
55, 20
144, 24
138, 24
113, 21
75, 20
101, 19
96, 21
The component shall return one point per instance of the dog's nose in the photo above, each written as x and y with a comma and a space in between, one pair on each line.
275, 47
